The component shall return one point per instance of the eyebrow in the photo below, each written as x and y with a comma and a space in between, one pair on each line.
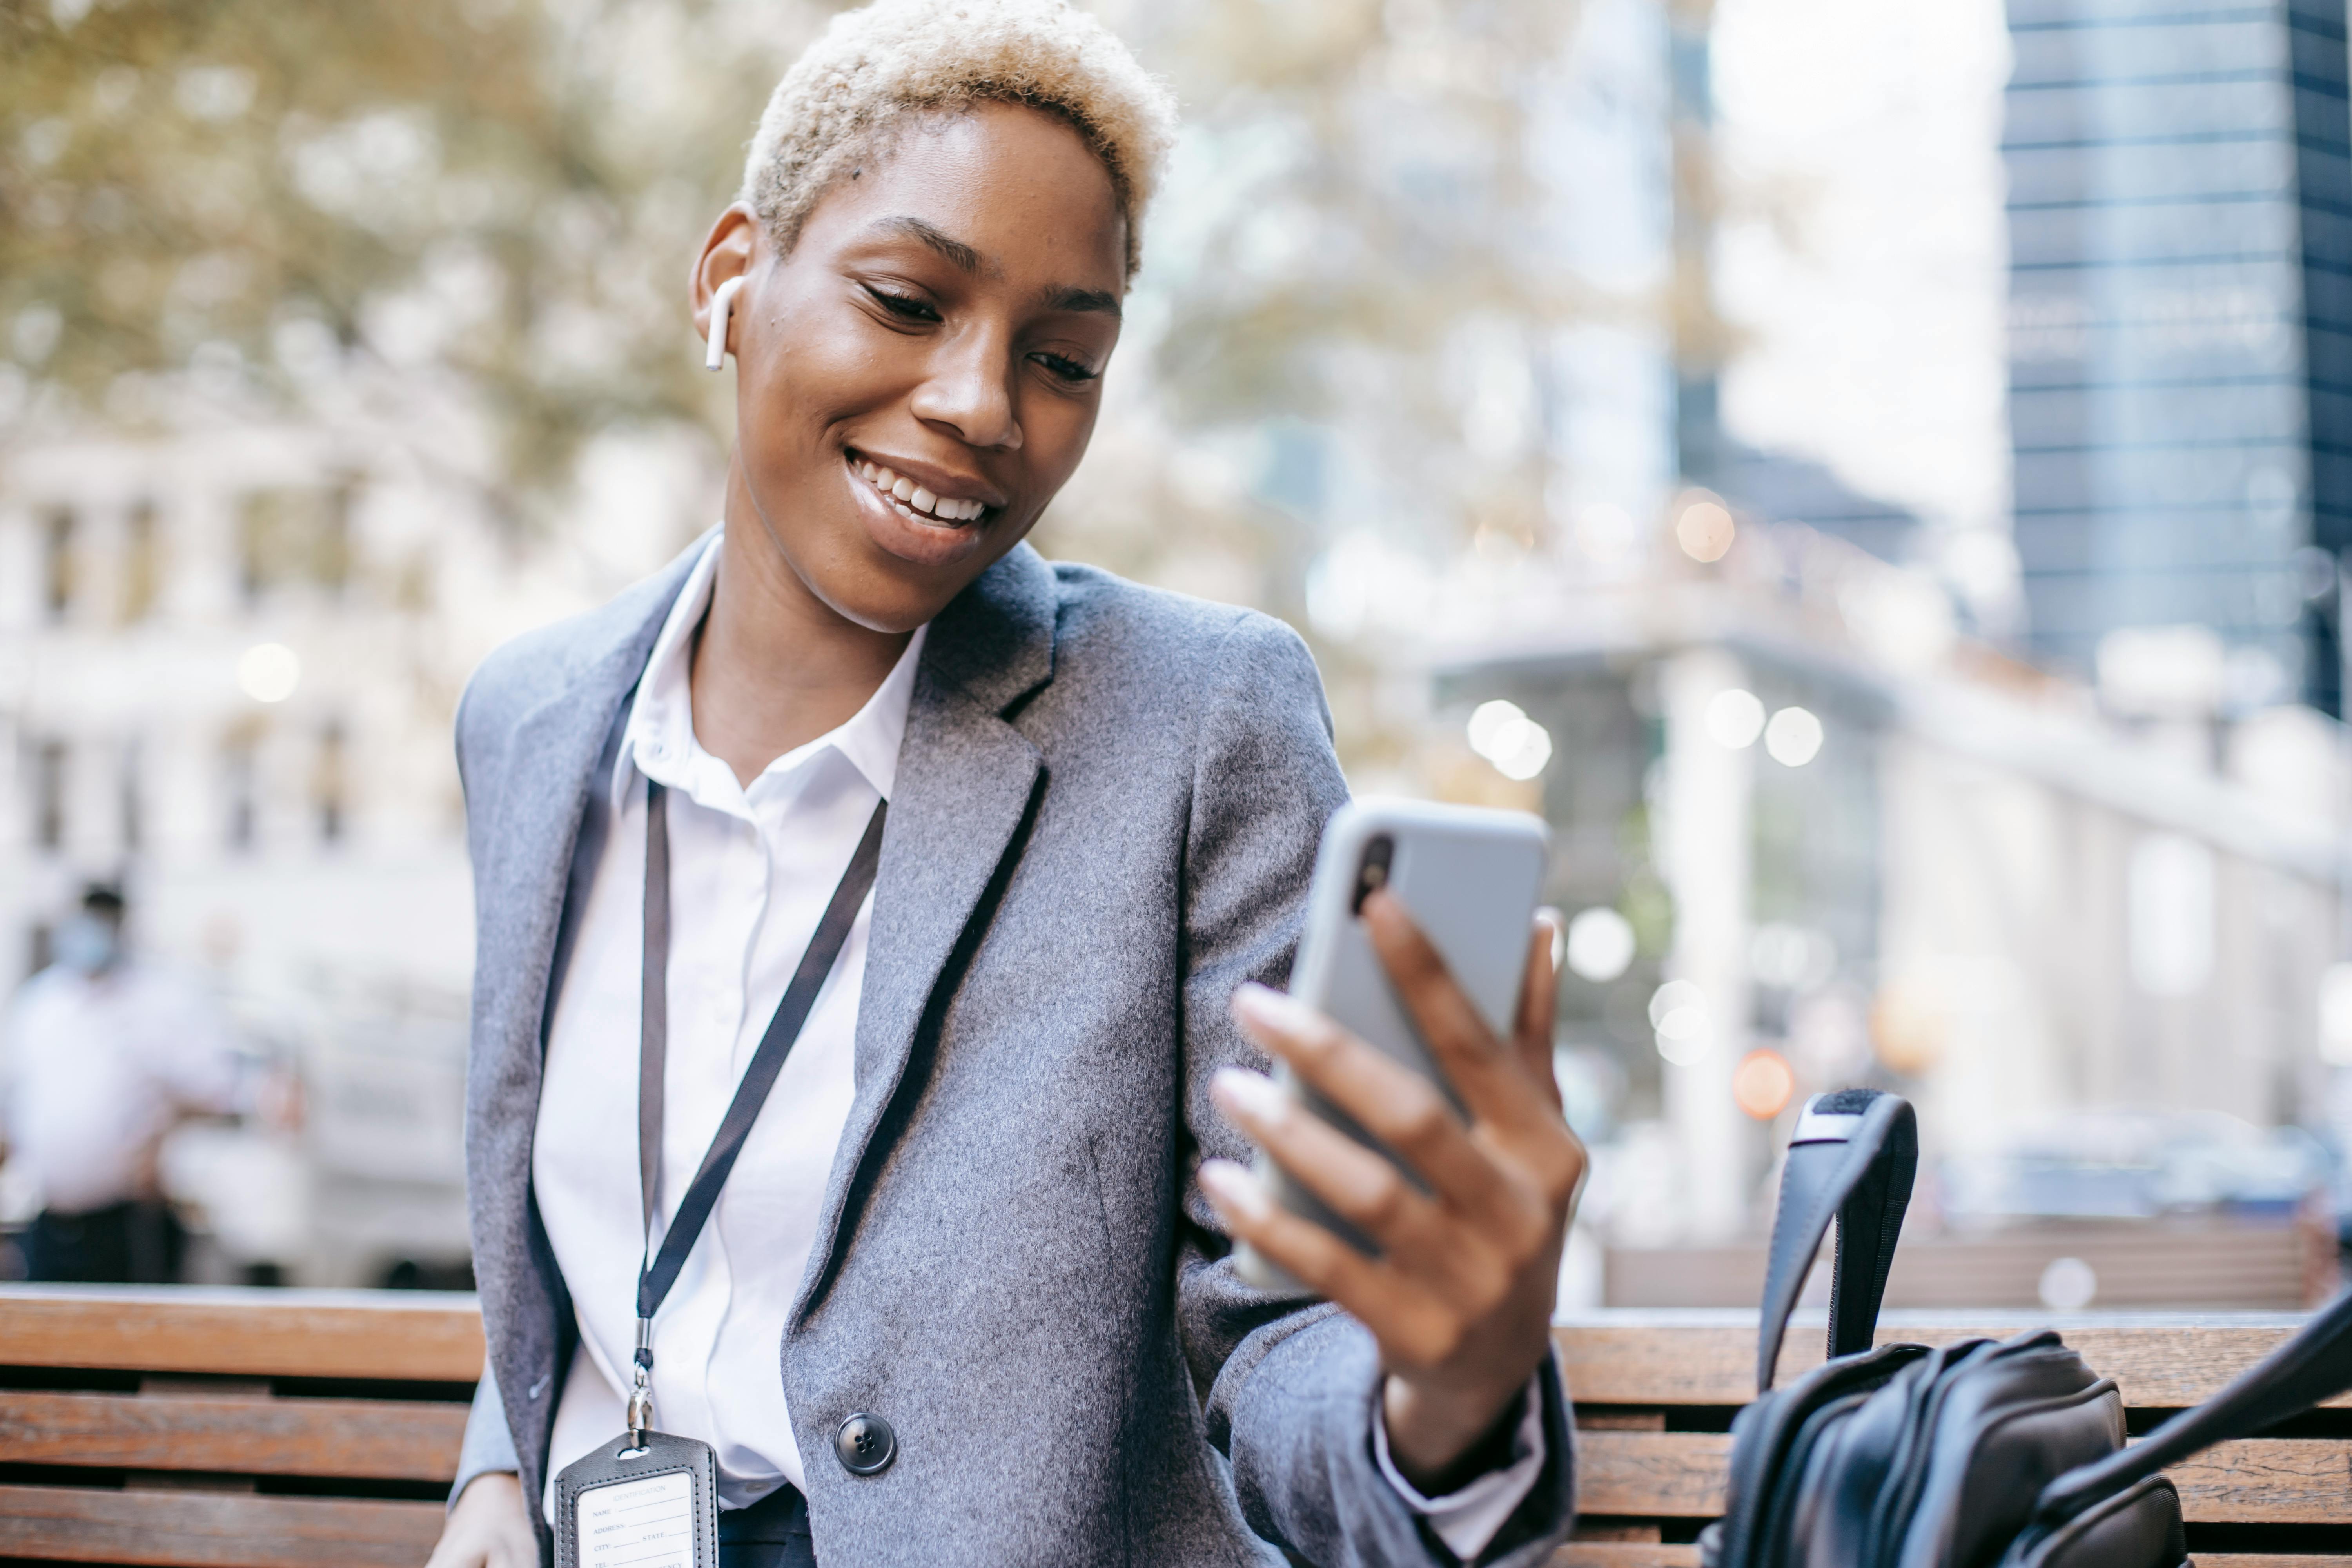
965, 260
1095, 299
961, 255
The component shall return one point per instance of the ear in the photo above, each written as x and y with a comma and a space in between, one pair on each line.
727, 252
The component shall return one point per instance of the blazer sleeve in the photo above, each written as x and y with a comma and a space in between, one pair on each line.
488, 1446
1291, 1384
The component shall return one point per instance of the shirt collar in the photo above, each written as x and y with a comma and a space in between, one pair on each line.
659, 742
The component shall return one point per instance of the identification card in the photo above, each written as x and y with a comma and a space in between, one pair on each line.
628, 1507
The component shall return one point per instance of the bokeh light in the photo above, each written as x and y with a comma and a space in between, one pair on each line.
1762, 1083
2067, 1285
1599, 943
1501, 732
1678, 1011
268, 672
1735, 718
1705, 528
1793, 738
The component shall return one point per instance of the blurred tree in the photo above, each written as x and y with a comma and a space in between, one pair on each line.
479, 213
489, 204
1353, 289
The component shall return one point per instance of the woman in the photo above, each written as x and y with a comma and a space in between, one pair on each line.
965, 1296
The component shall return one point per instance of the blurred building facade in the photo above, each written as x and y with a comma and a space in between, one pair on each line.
229, 653
2180, 390
1847, 847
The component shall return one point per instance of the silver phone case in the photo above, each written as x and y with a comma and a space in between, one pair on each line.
1471, 878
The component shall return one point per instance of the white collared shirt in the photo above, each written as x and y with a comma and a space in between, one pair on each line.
751, 870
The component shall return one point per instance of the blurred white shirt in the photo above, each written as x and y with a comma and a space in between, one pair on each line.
96, 1070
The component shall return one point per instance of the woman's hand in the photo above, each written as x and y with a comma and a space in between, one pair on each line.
1461, 1297
489, 1528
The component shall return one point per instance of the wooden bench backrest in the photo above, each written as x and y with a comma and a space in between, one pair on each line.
230, 1428
266, 1428
1656, 1392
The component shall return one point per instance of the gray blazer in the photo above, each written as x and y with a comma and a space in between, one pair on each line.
1108, 804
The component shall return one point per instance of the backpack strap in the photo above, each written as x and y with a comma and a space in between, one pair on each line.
1852, 1159
2315, 1365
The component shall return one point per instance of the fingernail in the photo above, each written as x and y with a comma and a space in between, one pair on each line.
1253, 1095
1269, 1008
1233, 1188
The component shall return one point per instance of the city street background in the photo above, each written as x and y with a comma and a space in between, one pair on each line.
1875, 478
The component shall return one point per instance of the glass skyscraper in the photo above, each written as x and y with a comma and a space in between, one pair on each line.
2180, 319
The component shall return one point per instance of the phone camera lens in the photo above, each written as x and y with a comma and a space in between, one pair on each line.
1373, 873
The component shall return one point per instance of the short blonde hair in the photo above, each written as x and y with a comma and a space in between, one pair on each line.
877, 66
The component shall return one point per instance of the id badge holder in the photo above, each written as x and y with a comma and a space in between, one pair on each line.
645, 1499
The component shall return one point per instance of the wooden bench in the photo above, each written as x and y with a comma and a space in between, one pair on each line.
268, 1428
1656, 1392
235, 1428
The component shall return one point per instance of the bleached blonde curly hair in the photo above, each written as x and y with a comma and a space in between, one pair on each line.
883, 65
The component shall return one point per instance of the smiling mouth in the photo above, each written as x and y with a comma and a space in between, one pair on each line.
917, 504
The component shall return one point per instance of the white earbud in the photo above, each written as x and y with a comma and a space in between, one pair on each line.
722, 300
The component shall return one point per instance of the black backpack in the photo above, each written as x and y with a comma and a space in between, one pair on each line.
1968, 1455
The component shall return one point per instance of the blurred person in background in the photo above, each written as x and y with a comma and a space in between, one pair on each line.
966, 1294
104, 1055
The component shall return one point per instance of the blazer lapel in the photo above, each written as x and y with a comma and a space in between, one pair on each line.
966, 780
522, 866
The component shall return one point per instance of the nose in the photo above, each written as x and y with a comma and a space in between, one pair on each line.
967, 389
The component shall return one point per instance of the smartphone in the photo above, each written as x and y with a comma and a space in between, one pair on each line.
1470, 879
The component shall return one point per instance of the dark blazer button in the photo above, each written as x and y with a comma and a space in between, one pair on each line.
865, 1444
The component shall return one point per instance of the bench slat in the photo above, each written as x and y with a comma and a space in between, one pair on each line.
1652, 1475
2160, 1363
2274, 1480
421, 1336
383, 1439
1679, 1475
213, 1530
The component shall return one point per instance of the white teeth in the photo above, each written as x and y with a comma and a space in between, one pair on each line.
914, 500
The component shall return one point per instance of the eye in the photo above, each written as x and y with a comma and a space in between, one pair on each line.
1066, 368
906, 307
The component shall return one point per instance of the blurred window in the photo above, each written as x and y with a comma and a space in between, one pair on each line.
131, 800
239, 786
139, 564
49, 795
328, 783
294, 537
259, 531
331, 555
57, 565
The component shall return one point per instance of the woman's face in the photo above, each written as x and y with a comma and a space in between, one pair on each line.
940, 328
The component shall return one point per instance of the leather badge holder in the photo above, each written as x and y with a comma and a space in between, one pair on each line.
650, 1507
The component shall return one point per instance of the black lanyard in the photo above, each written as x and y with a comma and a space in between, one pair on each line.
659, 1271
